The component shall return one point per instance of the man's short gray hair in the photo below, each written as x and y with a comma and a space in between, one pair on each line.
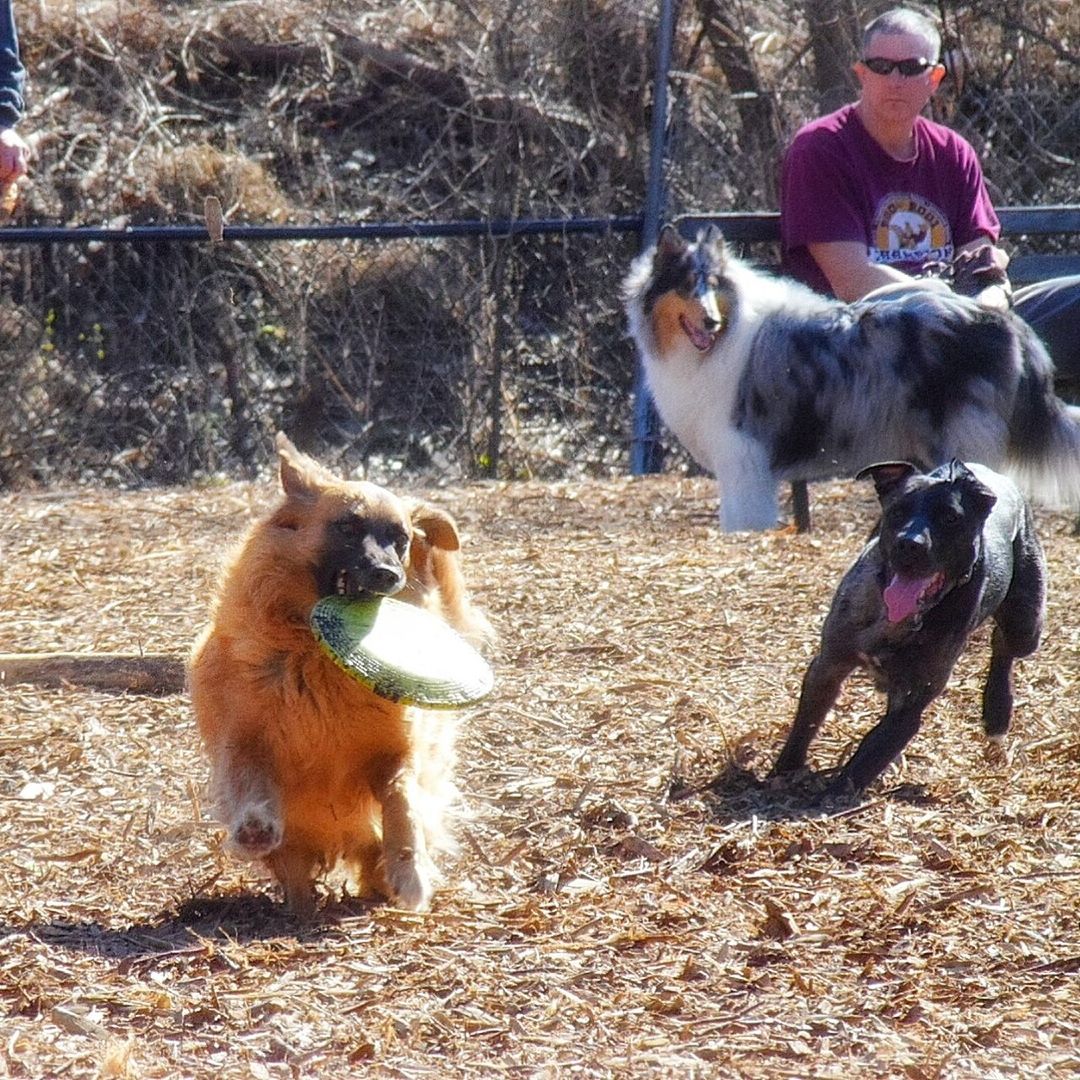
904, 20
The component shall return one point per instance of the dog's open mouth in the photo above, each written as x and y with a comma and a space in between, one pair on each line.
702, 339
372, 583
908, 596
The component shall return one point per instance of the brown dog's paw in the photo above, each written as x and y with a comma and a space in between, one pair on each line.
256, 834
409, 880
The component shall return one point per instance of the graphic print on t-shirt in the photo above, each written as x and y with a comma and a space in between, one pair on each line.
908, 229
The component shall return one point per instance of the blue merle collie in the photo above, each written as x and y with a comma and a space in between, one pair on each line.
763, 380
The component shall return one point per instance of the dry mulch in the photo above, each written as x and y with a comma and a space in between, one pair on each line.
626, 900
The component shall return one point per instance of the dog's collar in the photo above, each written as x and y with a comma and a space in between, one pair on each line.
976, 563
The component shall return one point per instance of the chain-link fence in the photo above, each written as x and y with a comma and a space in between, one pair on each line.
165, 361
454, 355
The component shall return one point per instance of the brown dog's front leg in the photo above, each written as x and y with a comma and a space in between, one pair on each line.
407, 868
295, 868
820, 687
248, 800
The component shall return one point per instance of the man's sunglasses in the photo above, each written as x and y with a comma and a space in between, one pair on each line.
908, 68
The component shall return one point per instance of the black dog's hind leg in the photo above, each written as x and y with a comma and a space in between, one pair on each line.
1016, 633
883, 742
820, 687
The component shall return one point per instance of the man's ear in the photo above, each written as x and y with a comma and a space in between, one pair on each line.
437, 527
937, 73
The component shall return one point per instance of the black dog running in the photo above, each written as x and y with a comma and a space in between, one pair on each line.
954, 547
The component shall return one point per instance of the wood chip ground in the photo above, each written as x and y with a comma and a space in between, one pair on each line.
626, 899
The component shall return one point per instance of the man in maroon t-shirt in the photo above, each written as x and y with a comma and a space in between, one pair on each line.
872, 193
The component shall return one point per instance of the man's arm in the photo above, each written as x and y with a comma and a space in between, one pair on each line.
13, 150
851, 274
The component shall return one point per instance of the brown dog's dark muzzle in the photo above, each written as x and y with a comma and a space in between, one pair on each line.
370, 580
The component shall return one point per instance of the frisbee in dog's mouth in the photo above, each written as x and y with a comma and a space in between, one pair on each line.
401, 652
702, 340
908, 596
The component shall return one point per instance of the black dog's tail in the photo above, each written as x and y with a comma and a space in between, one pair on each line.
1044, 432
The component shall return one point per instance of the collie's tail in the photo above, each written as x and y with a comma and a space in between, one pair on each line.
1044, 435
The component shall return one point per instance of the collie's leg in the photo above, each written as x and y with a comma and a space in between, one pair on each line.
747, 487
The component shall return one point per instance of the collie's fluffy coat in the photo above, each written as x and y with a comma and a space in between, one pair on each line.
762, 379
310, 768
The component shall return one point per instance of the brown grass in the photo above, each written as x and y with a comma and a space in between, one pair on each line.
625, 902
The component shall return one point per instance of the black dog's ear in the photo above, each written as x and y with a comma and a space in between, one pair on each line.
976, 497
887, 475
957, 470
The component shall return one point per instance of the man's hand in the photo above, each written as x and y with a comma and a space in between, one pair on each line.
14, 156
979, 272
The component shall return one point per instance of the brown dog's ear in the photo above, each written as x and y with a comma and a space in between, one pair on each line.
300, 475
887, 475
436, 526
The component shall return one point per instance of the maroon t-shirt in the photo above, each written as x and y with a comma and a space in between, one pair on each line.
837, 183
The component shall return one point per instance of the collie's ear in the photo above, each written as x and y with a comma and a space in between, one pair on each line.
712, 237
670, 243
436, 526
301, 477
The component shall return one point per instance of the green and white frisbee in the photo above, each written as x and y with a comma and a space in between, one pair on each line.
401, 652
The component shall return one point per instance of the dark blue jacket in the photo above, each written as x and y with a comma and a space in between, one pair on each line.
12, 73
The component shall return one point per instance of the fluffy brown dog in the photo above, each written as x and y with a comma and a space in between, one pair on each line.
311, 769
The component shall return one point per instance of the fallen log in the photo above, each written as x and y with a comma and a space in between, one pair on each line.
138, 673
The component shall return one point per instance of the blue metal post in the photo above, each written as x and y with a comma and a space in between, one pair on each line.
646, 454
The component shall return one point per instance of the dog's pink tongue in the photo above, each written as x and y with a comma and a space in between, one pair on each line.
901, 596
702, 339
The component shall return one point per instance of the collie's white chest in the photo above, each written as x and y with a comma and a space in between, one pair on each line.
694, 396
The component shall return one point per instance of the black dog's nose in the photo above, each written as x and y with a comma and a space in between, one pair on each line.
911, 550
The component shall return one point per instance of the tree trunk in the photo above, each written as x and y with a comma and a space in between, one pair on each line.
834, 43
760, 129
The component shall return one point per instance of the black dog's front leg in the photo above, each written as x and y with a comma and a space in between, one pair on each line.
883, 742
820, 687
